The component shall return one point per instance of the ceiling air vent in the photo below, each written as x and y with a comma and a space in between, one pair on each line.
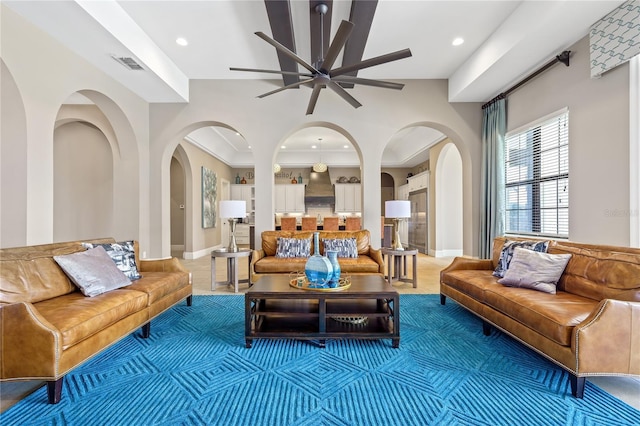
130, 63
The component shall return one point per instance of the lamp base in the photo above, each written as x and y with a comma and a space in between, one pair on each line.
233, 247
397, 245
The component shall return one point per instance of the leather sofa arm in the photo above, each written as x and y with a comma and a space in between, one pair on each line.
376, 254
466, 263
171, 264
30, 345
608, 340
255, 256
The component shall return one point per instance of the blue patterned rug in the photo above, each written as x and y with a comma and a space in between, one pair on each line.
195, 370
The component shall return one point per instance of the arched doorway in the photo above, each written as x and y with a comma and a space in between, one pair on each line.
449, 202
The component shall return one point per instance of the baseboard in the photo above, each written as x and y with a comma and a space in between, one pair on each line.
446, 253
200, 253
177, 247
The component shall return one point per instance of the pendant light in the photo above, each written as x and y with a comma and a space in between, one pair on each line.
320, 167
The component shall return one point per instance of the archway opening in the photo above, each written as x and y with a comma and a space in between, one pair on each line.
325, 161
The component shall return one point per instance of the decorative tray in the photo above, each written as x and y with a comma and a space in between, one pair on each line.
303, 283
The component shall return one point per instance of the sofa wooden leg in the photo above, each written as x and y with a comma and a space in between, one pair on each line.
577, 385
146, 330
54, 390
189, 300
443, 299
486, 328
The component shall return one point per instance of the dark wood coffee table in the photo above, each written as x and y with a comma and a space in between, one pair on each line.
369, 309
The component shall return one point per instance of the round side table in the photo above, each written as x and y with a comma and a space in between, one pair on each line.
398, 258
232, 267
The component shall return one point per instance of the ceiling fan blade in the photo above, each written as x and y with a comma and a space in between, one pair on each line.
314, 98
343, 94
290, 86
272, 71
389, 57
368, 82
286, 51
339, 40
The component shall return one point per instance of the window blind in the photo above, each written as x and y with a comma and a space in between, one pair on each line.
537, 178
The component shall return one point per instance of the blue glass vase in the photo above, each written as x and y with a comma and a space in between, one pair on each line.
332, 255
318, 269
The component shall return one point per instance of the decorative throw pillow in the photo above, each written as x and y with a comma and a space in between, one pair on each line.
123, 255
346, 247
535, 270
92, 271
293, 247
507, 253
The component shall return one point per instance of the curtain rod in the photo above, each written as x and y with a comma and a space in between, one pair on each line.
563, 57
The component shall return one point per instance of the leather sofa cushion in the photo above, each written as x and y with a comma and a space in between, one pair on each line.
78, 317
274, 265
29, 274
471, 282
157, 285
552, 315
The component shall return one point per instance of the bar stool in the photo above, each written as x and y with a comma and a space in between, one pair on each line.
309, 224
330, 224
352, 224
288, 223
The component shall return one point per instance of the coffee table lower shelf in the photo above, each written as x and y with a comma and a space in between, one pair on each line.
304, 315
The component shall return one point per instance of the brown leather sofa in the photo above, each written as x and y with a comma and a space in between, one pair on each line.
48, 327
264, 261
590, 327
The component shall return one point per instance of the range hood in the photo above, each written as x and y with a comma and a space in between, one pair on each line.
319, 191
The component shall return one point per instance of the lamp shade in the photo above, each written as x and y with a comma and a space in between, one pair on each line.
397, 208
233, 208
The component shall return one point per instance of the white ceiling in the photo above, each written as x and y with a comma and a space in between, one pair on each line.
504, 42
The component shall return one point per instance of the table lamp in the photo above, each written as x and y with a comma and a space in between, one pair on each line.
232, 210
397, 210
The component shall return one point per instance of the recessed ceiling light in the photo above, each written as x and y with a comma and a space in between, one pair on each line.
314, 146
283, 147
346, 146
182, 41
249, 147
457, 41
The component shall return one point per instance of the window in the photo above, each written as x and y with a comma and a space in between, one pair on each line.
537, 178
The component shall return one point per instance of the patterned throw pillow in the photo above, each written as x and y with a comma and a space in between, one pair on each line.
507, 253
123, 255
346, 247
92, 271
293, 247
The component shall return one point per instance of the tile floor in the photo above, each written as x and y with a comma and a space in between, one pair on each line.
624, 388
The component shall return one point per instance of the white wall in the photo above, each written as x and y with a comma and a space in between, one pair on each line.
44, 75
598, 142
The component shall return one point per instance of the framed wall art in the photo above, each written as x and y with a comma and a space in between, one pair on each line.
209, 197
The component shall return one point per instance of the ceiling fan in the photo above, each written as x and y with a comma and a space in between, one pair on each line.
321, 74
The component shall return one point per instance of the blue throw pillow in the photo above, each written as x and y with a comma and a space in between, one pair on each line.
346, 247
293, 247
123, 255
507, 253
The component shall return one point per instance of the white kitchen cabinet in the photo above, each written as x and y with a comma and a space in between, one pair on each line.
348, 198
246, 193
403, 192
289, 198
419, 181
242, 233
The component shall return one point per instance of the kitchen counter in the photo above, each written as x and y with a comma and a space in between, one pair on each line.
320, 228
